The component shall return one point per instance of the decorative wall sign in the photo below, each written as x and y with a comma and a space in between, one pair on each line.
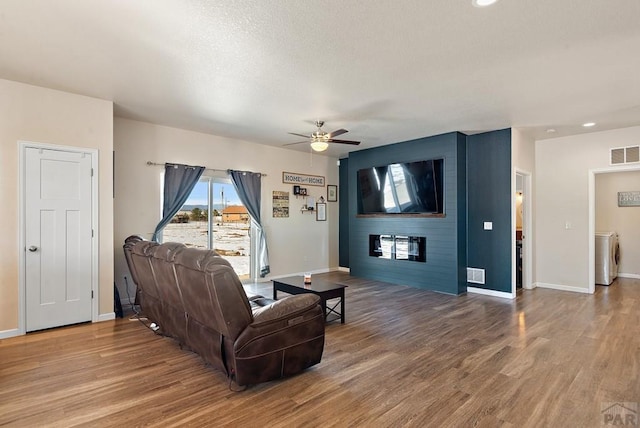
629, 199
280, 204
302, 179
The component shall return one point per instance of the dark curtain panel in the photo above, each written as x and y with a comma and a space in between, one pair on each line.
179, 181
248, 185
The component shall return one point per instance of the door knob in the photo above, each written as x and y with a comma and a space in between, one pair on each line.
33, 248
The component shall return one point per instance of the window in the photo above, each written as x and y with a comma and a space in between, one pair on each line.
213, 217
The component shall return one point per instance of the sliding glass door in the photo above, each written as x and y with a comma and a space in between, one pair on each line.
213, 217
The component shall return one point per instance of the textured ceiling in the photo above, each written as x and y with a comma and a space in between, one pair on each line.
386, 70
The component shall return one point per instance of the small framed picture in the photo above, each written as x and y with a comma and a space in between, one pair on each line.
321, 212
332, 193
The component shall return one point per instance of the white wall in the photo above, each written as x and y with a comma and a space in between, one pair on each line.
623, 220
31, 113
523, 159
562, 199
296, 244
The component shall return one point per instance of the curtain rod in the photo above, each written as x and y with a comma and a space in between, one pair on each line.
149, 163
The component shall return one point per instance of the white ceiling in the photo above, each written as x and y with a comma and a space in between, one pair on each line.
386, 70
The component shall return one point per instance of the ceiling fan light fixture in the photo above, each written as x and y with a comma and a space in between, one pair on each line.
319, 146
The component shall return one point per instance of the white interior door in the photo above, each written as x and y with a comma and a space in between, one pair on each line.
58, 259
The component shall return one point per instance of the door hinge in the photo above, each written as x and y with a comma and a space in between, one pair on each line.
92, 294
92, 233
92, 172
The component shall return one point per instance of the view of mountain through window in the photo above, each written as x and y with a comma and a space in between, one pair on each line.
213, 217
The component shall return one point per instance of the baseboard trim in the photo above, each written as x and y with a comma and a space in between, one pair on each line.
6, 334
344, 269
106, 317
629, 275
493, 293
302, 273
562, 287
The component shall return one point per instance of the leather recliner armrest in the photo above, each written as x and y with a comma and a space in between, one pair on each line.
285, 308
283, 323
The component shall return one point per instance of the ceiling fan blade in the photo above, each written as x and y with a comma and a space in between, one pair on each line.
355, 143
300, 135
299, 142
337, 132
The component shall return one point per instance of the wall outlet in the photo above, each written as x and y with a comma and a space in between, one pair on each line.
488, 225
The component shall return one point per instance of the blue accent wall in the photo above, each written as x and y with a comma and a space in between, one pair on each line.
489, 199
445, 268
477, 188
343, 222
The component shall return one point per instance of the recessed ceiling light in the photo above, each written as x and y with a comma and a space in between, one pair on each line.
550, 130
589, 124
483, 3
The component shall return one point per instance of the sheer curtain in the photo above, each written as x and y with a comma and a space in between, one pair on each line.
248, 186
179, 181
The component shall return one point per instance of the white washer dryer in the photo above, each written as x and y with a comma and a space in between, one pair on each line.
607, 257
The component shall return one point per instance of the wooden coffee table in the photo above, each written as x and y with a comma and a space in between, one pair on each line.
324, 289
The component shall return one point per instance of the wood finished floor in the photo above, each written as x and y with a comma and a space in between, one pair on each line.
406, 357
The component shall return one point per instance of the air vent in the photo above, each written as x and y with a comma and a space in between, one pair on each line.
475, 275
617, 156
632, 154
622, 155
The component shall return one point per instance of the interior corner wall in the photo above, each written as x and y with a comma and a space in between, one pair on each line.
343, 202
41, 115
444, 270
489, 200
523, 158
297, 243
562, 203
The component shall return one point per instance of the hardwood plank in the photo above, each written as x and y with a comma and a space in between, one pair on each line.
405, 357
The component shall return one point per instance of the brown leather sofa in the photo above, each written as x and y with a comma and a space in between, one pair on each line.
195, 297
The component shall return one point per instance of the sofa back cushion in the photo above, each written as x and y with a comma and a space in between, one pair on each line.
162, 258
129, 243
212, 292
141, 258
141, 269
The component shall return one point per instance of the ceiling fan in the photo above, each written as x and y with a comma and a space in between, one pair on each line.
320, 140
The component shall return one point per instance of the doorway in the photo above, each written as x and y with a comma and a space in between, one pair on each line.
522, 251
58, 251
606, 215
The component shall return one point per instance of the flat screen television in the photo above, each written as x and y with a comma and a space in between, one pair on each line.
402, 188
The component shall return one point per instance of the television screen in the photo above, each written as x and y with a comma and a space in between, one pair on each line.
402, 188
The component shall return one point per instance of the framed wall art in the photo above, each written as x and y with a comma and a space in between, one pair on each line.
280, 204
332, 193
321, 212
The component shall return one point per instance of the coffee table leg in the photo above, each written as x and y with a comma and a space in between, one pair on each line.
275, 293
342, 307
324, 308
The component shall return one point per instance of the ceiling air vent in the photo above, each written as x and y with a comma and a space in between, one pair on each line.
622, 155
